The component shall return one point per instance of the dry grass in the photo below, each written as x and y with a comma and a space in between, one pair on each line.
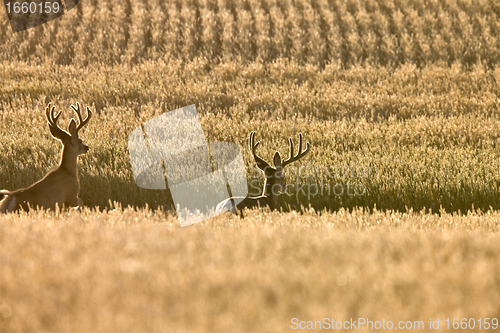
139, 271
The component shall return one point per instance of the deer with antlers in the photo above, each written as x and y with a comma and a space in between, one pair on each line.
60, 186
274, 183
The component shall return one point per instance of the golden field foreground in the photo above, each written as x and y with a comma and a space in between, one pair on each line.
128, 270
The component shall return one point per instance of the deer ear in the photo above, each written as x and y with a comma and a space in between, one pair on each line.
72, 128
277, 160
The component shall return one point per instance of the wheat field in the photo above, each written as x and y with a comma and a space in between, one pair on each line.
400, 101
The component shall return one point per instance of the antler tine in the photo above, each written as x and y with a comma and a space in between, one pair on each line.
300, 143
300, 154
82, 122
49, 112
253, 146
51, 118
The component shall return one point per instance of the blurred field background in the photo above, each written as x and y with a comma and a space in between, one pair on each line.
406, 89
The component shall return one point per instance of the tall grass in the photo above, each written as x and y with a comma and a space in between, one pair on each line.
429, 136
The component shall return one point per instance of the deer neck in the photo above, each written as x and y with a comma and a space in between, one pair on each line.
271, 198
68, 161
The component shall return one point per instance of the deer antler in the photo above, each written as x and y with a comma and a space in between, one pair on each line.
253, 147
299, 155
52, 118
82, 122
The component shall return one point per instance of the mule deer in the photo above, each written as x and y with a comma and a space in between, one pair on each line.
274, 183
61, 185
